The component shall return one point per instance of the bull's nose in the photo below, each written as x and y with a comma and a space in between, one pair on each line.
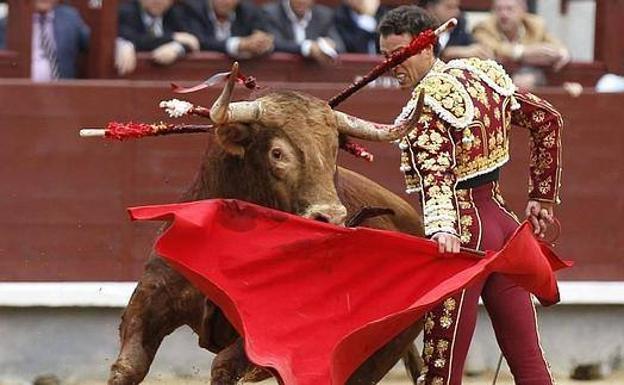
335, 214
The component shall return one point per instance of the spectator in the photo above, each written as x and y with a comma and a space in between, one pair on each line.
517, 36
2, 32
356, 22
457, 43
58, 35
235, 27
300, 26
155, 26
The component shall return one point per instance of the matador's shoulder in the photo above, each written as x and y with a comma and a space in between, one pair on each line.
447, 97
489, 71
446, 93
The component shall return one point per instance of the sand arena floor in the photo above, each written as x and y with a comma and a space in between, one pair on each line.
485, 379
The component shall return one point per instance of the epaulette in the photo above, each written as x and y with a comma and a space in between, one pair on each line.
490, 72
447, 97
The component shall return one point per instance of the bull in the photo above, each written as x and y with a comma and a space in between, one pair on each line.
278, 151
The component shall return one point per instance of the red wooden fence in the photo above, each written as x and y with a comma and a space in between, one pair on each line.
63, 198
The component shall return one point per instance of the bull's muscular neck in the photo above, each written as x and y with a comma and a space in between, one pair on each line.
230, 177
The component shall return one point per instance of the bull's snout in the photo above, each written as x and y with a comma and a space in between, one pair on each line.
335, 214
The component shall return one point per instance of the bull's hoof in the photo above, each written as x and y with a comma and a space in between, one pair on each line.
122, 375
256, 374
222, 377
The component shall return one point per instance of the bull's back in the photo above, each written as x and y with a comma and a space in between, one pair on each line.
356, 191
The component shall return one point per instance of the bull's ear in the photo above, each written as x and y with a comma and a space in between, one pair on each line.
233, 137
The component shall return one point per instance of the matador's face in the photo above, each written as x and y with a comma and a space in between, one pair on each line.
411, 71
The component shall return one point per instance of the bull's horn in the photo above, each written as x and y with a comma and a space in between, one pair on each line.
223, 111
375, 132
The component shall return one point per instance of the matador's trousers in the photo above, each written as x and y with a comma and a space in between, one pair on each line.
486, 224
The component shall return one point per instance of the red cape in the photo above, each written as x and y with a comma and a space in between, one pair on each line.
313, 300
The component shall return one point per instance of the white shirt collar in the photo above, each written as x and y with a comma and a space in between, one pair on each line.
293, 18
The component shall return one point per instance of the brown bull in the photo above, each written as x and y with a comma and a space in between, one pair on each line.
278, 151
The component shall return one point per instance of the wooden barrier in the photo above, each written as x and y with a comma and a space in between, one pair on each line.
64, 198
609, 46
283, 67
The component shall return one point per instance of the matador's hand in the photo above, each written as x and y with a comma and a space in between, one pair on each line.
447, 243
541, 215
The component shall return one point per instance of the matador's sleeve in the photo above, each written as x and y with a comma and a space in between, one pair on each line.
544, 124
434, 159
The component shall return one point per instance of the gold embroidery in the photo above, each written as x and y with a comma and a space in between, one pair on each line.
446, 321
442, 346
456, 72
447, 96
428, 351
429, 322
486, 121
490, 72
437, 381
550, 140
545, 185
450, 304
538, 116
466, 234
439, 363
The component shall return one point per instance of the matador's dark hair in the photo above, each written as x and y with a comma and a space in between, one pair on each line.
406, 19
424, 3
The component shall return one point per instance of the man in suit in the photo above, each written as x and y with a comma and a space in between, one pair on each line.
457, 43
305, 28
2, 33
517, 36
356, 22
59, 34
234, 27
156, 26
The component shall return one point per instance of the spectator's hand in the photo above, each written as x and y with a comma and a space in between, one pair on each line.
263, 42
168, 53
564, 58
258, 43
540, 54
188, 40
321, 57
329, 42
447, 243
541, 215
573, 89
125, 57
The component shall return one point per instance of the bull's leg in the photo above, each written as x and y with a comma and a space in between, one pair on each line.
136, 354
230, 364
380, 363
161, 303
413, 363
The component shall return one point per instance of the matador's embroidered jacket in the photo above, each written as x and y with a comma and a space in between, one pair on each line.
463, 132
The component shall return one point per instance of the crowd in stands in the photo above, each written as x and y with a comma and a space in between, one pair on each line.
170, 29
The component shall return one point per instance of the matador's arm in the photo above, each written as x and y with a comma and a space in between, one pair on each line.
545, 125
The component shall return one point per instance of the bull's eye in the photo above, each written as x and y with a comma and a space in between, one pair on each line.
276, 154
